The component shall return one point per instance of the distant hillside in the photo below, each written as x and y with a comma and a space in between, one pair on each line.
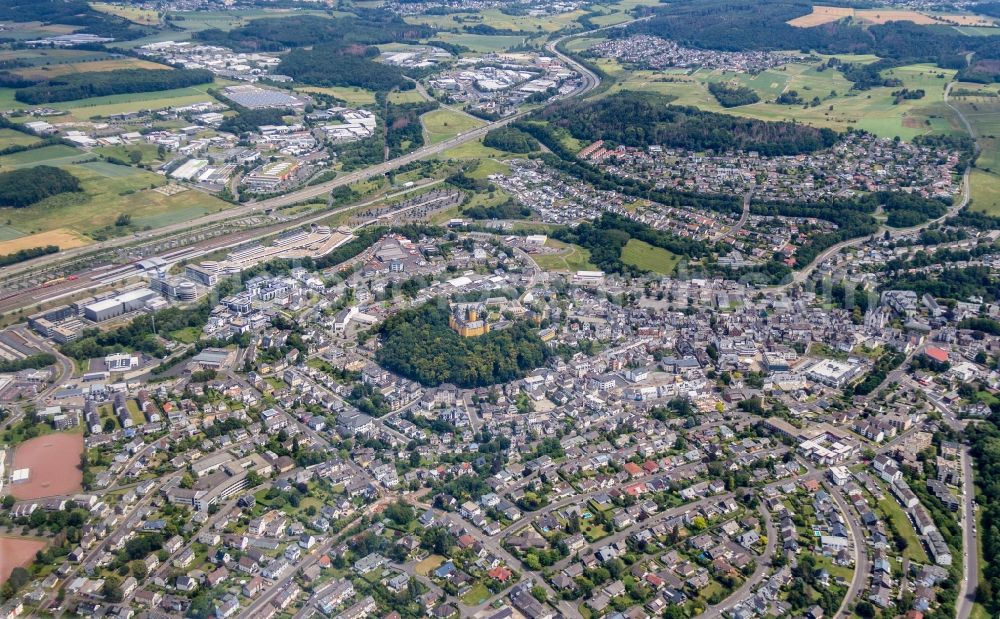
639, 119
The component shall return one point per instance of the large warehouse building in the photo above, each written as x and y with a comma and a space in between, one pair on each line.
117, 305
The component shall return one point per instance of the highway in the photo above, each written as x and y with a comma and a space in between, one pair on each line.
589, 81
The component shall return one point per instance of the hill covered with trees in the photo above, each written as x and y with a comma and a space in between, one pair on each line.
24, 187
510, 139
72, 13
732, 96
418, 344
335, 64
743, 25
278, 34
640, 119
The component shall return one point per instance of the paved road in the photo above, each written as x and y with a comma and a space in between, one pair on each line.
861, 563
967, 592
800, 276
589, 82
743, 219
762, 569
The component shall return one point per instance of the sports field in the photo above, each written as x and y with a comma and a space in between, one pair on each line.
53, 463
17, 552
443, 124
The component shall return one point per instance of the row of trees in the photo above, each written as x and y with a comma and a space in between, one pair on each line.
28, 253
40, 360
102, 83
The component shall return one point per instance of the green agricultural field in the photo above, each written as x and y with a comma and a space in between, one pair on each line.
107, 186
840, 108
148, 152
482, 42
443, 123
134, 14
583, 43
570, 258
983, 113
985, 192
37, 57
472, 149
406, 96
10, 137
499, 20
354, 96
488, 167
642, 255
20, 31
49, 155
86, 109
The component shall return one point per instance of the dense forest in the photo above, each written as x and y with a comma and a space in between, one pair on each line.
248, 120
955, 283
23, 255
740, 25
606, 237
907, 210
510, 209
510, 139
278, 34
418, 344
336, 64
732, 96
404, 131
24, 187
640, 119
72, 13
101, 83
